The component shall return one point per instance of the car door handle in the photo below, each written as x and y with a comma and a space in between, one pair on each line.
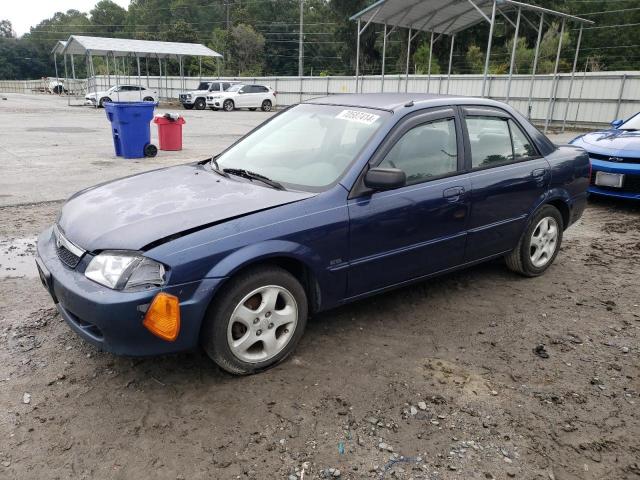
539, 172
453, 194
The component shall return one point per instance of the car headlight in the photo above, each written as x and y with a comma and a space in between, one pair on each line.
123, 270
188, 95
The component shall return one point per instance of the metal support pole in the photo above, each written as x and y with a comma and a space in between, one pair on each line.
486, 61
146, 64
301, 43
384, 50
139, 75
429, 67
584, 77
513, 54
73, 67
358, 57
106, 58
535, 65
66, 79
160, 76
200, 67
55, 64
554, 85
573, 74
406, 75
453, 39
622, 82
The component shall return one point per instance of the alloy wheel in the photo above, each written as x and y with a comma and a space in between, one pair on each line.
544, 241
262, 324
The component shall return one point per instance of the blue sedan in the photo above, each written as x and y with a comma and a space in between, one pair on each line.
615, 159
328, 202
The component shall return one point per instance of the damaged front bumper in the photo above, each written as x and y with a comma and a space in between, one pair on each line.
111, 319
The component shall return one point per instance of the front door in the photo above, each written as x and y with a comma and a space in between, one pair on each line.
403, 234
508, 179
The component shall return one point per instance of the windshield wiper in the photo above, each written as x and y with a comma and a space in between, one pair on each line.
216, 168
240, 172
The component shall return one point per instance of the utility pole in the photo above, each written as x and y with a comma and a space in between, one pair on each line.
300, 43
227, 2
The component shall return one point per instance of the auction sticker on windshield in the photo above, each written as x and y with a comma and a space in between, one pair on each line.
357, 116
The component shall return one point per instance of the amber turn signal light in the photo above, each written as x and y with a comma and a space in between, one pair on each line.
163, 317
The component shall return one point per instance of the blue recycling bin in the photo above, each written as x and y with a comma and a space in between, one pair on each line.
130, 128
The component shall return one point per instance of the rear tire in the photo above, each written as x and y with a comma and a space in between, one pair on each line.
200, 104
148, 99
266, 106
228, 105
103, 100
255, 321
539, 245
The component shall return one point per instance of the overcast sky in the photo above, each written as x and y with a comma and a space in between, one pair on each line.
24, 14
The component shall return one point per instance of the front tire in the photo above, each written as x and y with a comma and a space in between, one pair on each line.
103, 100
256, 320
228, 105
539, 245
148, 99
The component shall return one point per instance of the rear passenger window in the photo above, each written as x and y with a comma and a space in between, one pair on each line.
426, 151
522, 147
225, 86
490, 141
215, 87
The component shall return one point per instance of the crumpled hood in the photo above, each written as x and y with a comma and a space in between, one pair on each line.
135, 211
614, 140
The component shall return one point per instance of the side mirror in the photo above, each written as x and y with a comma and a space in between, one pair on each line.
240, 91
617, 123
385, 178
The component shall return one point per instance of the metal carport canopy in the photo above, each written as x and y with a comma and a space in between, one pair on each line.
443, 16
122, 47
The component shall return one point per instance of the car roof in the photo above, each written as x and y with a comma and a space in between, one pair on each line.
395, 101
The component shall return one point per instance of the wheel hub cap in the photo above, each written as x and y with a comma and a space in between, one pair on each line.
544, 242
262, 324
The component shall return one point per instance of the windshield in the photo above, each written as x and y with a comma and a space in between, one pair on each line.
204, 86
307, 147
632, 124
113, 89
234, 88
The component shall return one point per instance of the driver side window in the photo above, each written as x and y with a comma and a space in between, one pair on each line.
426, 151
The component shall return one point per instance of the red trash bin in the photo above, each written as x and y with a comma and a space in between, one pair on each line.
169, 132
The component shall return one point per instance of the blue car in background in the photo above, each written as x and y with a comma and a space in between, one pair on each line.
615, 158
325, 203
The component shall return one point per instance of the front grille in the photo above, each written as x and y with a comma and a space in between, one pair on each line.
66, 257
68, 253
619, 159
631, 183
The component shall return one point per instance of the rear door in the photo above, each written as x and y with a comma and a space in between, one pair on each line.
403, 234
509, 178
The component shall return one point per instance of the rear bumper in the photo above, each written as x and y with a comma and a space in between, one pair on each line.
631, 185
112, 320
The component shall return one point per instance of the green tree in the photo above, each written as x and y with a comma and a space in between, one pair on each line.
108, 18
6, 29
421, 60
247, 50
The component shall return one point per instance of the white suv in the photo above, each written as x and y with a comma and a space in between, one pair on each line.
243, 96
122, 93
196, 98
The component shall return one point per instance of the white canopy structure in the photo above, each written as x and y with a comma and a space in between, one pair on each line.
122, 47
120, 50
447, 17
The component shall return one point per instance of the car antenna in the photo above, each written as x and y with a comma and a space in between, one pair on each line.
409, 103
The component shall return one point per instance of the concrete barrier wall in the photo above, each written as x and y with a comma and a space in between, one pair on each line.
591, 99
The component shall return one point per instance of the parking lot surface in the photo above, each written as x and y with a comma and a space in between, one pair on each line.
439, 380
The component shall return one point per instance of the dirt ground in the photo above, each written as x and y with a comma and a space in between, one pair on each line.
434, 381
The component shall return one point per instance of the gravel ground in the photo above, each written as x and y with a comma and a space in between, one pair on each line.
439, 380
434, 381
